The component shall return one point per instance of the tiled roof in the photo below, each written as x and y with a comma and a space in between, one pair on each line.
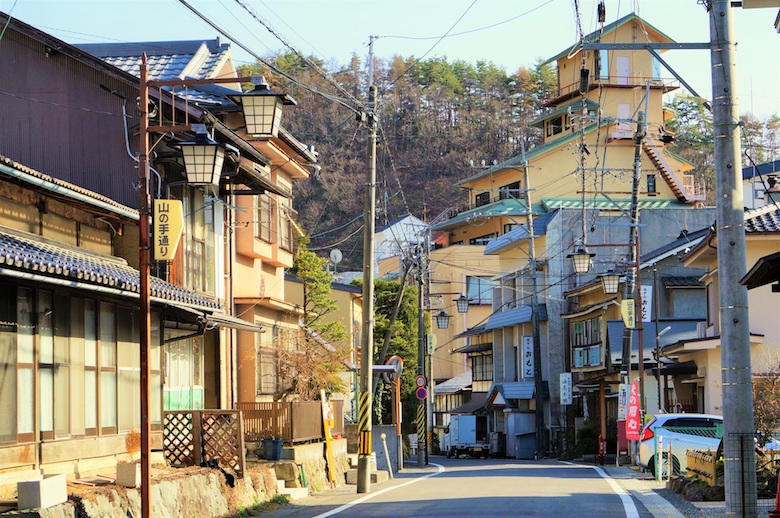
195, 59
684, 240
33, 254
765, 219
682, 282
505, 207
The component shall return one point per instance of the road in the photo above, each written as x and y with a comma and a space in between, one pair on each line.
478, 487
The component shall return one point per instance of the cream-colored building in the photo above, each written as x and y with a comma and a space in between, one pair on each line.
761, 239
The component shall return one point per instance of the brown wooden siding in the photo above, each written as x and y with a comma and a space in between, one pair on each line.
56, 118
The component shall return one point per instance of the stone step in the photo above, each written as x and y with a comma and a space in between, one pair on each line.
294, 493
280, 485
353, 460
377, 477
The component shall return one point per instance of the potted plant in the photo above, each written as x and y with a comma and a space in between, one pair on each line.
128, 473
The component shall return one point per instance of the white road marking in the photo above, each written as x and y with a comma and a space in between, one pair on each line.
369, 496
628, 503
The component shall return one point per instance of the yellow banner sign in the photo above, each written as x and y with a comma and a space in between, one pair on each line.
167, 223
628, 312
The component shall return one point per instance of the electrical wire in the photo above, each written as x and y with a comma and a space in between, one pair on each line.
414, 64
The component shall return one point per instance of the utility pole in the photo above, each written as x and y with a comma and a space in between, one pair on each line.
367, 344
738, 424
633, 245
422, 419
538, 382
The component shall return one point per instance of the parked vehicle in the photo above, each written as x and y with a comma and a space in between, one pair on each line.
705, 430
462, 436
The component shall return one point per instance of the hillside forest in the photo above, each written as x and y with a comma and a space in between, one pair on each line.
440, 121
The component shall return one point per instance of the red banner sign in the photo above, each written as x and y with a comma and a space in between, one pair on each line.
633, 415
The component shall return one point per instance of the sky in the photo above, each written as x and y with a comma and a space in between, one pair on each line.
509, 33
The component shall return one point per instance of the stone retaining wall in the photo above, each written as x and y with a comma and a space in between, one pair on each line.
201, 492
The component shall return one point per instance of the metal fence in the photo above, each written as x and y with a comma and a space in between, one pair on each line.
672, 443
292, 422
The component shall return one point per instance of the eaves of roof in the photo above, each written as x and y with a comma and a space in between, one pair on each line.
761, 169
62, 189
506, 207
24, 255
604, 204
594, 36
517, 161
504, 241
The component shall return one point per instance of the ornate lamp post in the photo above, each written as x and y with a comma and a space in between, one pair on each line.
463, 303
610, 281
442, 319
581, 258
203, 160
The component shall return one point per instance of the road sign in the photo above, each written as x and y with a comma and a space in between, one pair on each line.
421, 393
420, 381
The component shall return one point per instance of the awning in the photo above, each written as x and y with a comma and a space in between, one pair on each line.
475, 348
478, 400
473, 331
453, 385
585, 310
223, 320
512, 317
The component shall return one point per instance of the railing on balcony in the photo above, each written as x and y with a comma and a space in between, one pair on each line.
286, 229
573, 89
694, 189
293, 422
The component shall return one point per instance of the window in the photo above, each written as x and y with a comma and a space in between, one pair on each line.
482, 367
265, 218
511, 191
555, 126
285, 225
266, 363
603, 68
482, 240
481, 199
107, 361
651, 184
586, 343
183, 371
88, 360
480, 290
508, 227
198, 242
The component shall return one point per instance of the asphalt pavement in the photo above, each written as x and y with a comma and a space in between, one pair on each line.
634, 489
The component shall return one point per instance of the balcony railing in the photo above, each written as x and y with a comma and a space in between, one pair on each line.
570, 90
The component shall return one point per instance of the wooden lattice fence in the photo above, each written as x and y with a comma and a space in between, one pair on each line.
192, 437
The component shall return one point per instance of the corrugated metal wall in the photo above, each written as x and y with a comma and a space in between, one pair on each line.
55, 118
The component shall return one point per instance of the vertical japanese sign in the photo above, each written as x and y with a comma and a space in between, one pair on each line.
634, 415
647, 302
622, 401
167, 223
566, 395
628, 312
528, 357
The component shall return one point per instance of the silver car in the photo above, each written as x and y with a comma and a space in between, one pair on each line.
709, 426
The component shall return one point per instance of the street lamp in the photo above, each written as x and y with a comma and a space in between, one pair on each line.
610, 281
442, 320
581, 258
262, 108
203, 167
203, 159
463, 303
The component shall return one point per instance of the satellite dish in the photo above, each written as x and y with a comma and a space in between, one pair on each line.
336, 256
